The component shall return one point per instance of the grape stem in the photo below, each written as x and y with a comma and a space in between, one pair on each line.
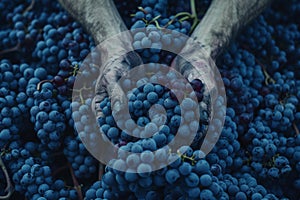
100, 172
296, 128
185, 157
39, 85
143, 10
9, 188
75, 70
268, 78
73, 73
12, 49
75, 182
193, 8
57, 171
186, 16
194, 15
155, 19
157, 25
29, 7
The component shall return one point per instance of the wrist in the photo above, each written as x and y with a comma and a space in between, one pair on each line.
100, 18
223, 20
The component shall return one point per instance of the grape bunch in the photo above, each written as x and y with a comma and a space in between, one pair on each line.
14, 101
158, 32
156, 108
46, 114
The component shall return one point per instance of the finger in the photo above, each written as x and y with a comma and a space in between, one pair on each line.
115, 89
200, 66
96, 106
104, 86
107, 82
114, 69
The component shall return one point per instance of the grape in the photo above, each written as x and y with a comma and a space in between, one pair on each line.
205, 180
185, 168
172, 175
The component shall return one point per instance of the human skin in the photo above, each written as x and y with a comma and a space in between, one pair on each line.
221, 23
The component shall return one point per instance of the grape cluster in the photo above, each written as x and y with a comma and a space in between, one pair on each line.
32, 176
146, 102
15, 102
42, 126
36, 181
158, 33
187, 171
46, 114
84, 165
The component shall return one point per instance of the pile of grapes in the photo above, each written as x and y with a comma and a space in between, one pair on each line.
42, 156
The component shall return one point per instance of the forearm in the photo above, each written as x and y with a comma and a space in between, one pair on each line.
223, 21
99, 17
102, 20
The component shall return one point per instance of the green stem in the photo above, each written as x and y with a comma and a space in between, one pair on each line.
193, 8
184, 18
194, 15
155, 19
75, 70
100, 172
268, 78
183, 13
142, 9
157, 25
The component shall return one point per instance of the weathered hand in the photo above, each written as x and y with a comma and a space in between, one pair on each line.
111, 70
221, 23
102, 20
218, 27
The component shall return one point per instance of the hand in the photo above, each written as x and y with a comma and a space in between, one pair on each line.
221, 23
218, 27
102, 20
111, 70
